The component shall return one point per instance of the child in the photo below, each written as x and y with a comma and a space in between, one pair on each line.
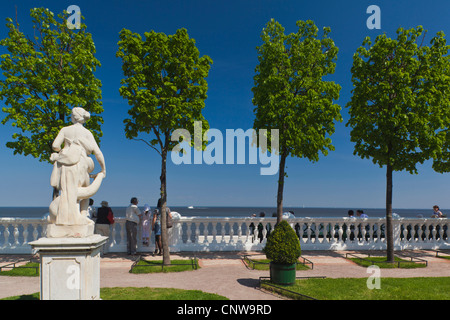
436, 212
146, 226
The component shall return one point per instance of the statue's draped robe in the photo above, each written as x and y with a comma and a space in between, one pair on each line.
71, 171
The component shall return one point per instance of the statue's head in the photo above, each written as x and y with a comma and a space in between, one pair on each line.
79, 115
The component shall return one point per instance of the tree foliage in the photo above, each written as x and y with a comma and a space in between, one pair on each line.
165, 85
290, 92
44, 77
399, 109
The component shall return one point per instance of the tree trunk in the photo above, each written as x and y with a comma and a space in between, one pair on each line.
389, 233
281, 187
164, 236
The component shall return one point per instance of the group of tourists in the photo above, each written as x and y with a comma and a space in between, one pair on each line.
359, 214
149, 221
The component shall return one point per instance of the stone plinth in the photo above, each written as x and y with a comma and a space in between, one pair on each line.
70, 267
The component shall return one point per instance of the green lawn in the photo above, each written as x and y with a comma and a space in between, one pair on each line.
322, 289
390, 289
155, 266
31, 269
445, 256
156, 294
142, 294
382, 263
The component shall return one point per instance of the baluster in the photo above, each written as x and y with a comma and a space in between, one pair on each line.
4, 239
205, 233
376, 232
214, 232
420, 234
35, 231
363, 232
247, 233
317, 232
16, 235
410, 233
332, 232
326, 228
25, 234
444, 232
353, 233
403, 232
424, 236
231, 232
308, 233
264, 233
326, 233
370, 239
222, 232
7, 234
188, 232
330, 227
438, 234
196, 232
239, 232
340, 233
433, 234
300, 232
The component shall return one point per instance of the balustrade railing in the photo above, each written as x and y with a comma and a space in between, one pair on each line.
250, 234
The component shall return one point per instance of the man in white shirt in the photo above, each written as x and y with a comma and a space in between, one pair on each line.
133, 215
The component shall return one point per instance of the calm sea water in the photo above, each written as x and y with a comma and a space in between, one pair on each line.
37, 212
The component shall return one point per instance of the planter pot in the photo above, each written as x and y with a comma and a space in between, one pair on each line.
283, 274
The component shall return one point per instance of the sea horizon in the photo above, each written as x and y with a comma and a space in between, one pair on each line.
234, 211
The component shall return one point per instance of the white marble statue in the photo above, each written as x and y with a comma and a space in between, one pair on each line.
71, 172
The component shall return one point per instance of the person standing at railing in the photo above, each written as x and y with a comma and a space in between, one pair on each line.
133, 214
361, 214
102, 223
146, 224
156, 227
436, 212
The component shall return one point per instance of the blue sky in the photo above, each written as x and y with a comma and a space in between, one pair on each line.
228, 32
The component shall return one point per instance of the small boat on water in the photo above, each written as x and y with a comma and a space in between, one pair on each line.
191, 207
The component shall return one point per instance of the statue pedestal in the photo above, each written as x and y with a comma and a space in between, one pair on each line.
70, 267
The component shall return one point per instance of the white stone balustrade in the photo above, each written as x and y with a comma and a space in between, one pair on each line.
250, 234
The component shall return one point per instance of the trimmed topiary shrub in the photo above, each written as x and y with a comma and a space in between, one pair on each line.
282, 245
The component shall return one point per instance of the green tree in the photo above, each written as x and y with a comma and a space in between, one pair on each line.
291, 95
165, 85
44, 77
400, 104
